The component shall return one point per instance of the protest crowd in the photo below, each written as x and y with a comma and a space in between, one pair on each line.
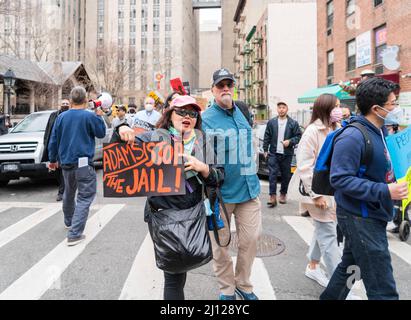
346, 180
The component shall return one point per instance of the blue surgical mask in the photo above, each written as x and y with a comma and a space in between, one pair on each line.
393, 117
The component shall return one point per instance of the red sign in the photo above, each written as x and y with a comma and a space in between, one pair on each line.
177, 85
145, 169
394, 77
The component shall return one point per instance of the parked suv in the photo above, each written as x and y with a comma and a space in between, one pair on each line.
21, 150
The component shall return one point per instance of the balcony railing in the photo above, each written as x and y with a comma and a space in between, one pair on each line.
247, 67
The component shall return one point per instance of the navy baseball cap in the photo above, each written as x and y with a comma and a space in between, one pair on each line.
222, 74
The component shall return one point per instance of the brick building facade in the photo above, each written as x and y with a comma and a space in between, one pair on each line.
354, 34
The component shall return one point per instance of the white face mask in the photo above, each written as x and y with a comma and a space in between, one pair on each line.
149, 107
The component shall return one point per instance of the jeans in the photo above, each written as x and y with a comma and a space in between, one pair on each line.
324, 244
174, 286
279, 163
365, 256
60, 180
76, 214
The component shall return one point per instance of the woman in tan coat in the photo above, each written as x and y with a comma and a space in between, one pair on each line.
325, 118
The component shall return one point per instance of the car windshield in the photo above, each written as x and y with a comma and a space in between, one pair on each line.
36, 122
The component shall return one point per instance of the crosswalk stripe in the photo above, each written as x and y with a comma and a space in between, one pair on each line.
260, 280
27, 204
4, 208
400, 249
259, 276
145, 281
36, 281
302, 226
39, 205
264, 183
21, 227
305, 229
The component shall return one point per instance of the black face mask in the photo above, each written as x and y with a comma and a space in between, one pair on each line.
64, 108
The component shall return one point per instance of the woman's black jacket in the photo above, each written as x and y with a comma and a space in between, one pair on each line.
194, 189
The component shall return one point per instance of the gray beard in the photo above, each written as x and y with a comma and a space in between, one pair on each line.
227, 102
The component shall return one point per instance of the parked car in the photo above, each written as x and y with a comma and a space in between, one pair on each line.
263, 171
21, 150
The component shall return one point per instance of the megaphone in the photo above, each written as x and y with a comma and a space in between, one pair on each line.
104, 102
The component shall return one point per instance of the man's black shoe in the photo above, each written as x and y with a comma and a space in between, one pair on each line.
305, 214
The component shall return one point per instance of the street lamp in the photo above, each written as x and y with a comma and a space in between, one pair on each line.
9, 82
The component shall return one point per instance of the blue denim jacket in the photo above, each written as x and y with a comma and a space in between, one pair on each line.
235, 151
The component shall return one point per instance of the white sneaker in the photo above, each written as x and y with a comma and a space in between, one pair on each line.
353, 296
317, 275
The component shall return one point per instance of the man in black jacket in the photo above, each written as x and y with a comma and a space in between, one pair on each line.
281, 136
65, 105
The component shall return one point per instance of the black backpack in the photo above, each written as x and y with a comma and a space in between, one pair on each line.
244, 109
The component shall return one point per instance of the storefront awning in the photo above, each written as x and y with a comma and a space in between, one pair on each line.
335, 89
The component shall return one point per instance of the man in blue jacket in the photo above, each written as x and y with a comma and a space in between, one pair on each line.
364, 201
72, 143
225, 122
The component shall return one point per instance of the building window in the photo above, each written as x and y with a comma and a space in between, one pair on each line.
133, 14
330, 67
330, 17
380, 46
350, 7
351, 55
378, 2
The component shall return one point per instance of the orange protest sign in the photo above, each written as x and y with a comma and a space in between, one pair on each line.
145, 169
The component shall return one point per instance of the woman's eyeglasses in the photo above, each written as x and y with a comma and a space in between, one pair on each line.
183, 113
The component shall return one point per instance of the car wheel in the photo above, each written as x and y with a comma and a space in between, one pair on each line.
4, 183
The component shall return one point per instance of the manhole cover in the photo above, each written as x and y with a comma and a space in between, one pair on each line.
267, 246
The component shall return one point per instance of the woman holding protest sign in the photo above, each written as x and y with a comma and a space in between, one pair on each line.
181, 219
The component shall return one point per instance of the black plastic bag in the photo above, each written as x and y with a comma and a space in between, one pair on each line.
181, 239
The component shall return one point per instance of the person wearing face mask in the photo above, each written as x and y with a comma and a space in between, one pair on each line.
326, 117
65, 106
149, 115
365, 198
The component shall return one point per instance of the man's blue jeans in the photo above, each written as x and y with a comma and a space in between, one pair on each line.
75, 215
366, 256
279, 163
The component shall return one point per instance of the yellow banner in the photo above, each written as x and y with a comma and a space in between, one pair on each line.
407, 178
156, 96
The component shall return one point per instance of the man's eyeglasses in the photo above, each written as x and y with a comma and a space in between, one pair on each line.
183, 113
222, 85
395, 103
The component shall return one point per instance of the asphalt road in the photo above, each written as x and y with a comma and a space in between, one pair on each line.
117, 260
